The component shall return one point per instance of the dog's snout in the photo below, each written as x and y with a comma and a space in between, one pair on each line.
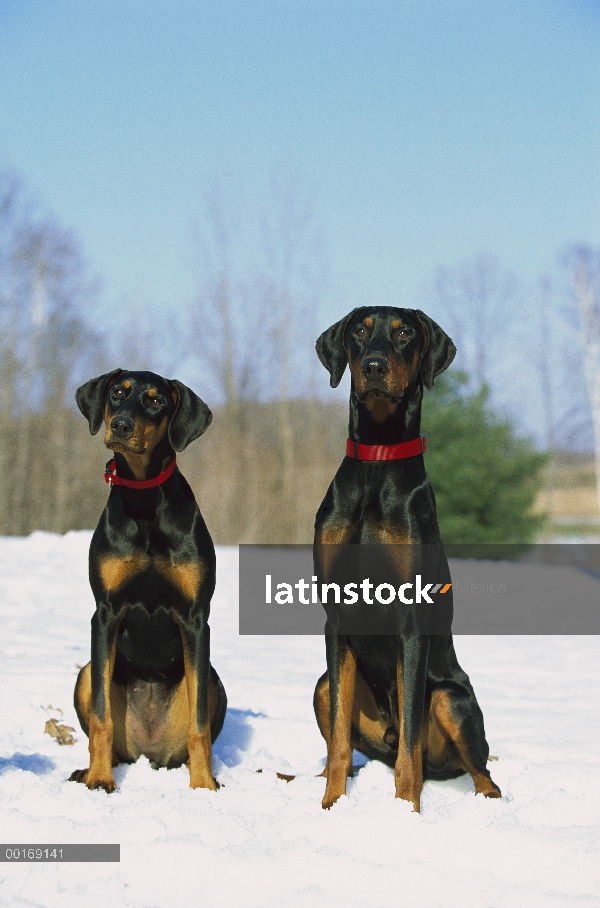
122, 427
375, 367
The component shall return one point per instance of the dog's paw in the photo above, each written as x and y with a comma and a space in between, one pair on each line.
487, 788
201, 781
93, 783
492, 793
80, 775
107, 785
330, 798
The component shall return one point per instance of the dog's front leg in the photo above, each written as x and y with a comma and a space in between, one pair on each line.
411, 671
105, 626
341, 668
195, 635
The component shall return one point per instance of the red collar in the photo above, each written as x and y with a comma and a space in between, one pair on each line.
386, 452
110, 476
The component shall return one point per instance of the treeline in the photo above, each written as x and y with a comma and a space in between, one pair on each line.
246, 341
51, 472
486, 481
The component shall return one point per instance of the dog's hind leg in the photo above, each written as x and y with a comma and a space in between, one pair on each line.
369, 727
82, 697
459, 718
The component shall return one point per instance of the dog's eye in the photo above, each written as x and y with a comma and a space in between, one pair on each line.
360, 331
156, 402
118, 393
402, 334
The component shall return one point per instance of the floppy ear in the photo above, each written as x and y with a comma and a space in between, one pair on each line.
439, 351
90, 398
190, 419
331, 349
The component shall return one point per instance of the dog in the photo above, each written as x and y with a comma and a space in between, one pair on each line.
149, 688
399, 698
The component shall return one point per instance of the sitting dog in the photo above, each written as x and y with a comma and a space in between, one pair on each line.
149, 688
399, 698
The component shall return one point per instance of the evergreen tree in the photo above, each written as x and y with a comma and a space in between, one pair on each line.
485, 479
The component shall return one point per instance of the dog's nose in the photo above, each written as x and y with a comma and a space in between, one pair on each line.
122, 426
375, 367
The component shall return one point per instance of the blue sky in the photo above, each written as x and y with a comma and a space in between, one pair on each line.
422, 132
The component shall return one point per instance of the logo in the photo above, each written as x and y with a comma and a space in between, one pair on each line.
384, 593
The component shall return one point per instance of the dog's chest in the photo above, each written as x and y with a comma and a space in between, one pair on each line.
144, 575
377, 503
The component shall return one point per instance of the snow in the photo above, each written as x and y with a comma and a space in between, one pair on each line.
260, 841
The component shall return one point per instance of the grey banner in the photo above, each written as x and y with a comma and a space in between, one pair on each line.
59, 854
380, 589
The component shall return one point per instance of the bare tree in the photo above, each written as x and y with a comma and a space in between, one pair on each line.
223, 348
10, 203
476, 296
293, 281
583, 268
45, 348
541, 354
253, 336
222, 318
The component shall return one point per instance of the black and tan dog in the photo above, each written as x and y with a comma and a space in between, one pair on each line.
149, 688
402, 699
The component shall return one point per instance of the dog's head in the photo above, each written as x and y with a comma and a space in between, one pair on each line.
141, 408
386, 349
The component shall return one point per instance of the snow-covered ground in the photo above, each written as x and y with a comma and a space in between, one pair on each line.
260, 841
